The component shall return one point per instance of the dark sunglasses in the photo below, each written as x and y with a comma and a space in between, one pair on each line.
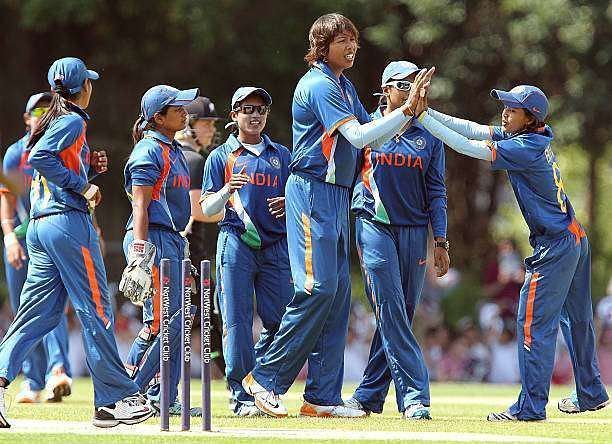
402, 85
250, 109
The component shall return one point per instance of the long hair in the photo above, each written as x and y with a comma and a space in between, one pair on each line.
535, 125
141, 125
60, 98
322, 33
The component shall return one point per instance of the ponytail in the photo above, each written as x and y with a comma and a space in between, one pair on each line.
60, 105
141, 125
138, 129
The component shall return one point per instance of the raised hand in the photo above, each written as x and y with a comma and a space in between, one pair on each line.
419, 86
422, 103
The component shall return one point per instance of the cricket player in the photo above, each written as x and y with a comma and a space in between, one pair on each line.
244, 181
330, 126
157, 184
65, 258
47, 366
399, 195
557, 284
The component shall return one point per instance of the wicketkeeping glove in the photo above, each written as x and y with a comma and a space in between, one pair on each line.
137, 278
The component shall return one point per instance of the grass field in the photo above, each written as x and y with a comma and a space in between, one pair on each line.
458, 411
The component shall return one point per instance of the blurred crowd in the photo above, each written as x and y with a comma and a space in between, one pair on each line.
481, 348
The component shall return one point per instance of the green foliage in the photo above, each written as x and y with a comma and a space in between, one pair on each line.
563, 46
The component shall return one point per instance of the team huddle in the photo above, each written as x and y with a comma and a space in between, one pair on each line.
283, 216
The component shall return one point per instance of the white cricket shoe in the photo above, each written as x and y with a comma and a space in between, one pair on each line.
26, 395
129, 410
4, 424
417, 411
570, 405
266, 401
249, 410
331, 411
58, 386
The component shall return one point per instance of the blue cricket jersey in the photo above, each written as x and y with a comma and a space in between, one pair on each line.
321, 104
160, 163
247, 209
15, 164
536, 179
403, 182
60, 159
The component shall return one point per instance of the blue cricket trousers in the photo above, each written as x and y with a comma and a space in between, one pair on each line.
393, 267
65, 262
52, 351
242, 271
315, 324
557, 288
143, 359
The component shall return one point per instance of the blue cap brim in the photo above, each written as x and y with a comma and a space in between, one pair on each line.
92, 75
185, 97
507, 98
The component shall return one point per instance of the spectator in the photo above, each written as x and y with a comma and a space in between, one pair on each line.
503, 278
504, 356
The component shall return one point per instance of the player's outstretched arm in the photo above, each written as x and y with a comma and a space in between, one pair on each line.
467, 128
478, 149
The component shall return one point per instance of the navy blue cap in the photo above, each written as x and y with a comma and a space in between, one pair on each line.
34, 99
71, 72
244, 91
528, 97
398, 70
163, 95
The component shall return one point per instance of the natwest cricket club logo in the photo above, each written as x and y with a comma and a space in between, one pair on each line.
420, 143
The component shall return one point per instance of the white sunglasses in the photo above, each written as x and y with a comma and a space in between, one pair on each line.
402, 85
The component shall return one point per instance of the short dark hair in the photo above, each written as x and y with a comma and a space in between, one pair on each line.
322, 33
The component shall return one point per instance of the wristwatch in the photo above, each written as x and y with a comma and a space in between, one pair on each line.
442, 244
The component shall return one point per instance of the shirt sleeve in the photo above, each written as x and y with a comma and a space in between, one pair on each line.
144, 165
10, 164
497, 133
327, 103
513, 154
214, 173
436, 190
56, 156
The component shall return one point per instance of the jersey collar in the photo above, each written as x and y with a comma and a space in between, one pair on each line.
234, 143
162, 138
327, 71
79, 111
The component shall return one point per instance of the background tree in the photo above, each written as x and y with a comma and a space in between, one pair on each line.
561, 45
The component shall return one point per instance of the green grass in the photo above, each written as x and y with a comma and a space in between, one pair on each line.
456, 408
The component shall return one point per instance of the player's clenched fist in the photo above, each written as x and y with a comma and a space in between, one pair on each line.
99, 161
